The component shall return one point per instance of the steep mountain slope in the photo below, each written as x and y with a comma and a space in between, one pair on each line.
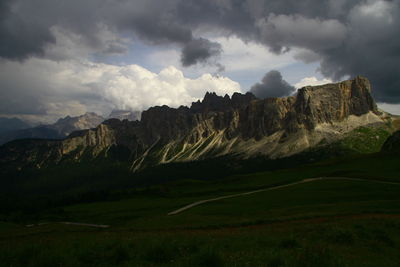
59, 130
241, 126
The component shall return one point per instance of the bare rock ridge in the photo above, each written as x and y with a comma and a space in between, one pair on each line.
67, 125
240, 125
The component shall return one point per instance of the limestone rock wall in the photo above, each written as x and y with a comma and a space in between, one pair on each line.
220, 125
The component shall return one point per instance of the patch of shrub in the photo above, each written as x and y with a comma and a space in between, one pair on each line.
160, 253
207, 257
276, 262
316, 257
342, 237
384, 238
289, 243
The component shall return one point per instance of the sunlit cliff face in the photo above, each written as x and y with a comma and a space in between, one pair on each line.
241, 125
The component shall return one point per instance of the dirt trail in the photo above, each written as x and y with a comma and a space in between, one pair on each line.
197, 203
72, 223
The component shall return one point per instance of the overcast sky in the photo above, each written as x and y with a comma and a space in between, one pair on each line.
62, 58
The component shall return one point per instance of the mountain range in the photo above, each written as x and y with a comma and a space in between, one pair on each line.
58, 130
14, 129
241, 126
12, 124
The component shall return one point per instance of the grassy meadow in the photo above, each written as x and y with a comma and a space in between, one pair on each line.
331, 222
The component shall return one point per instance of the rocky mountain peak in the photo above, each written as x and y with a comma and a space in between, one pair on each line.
89, 114
239, 100
59, 130
211, 102
69, 124
241, 125
214, 102
335, 101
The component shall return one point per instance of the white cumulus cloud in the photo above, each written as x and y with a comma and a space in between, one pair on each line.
73, 87
311, 81
391, 108
134, 87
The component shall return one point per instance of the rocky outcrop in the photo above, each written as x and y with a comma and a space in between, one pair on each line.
213, 102
335, 102
240, 125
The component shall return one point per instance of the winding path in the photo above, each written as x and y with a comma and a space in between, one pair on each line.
197, 203
72, 223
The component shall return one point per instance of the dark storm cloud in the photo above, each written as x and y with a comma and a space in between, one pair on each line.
272, 85
348, 37
372, 49
27, 27
161, 31
281, 32
19, 39
199, 50
164, 31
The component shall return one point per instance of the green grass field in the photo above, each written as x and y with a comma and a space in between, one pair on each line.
319, 223
339, 241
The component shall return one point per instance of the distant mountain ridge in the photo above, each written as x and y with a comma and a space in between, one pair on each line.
125, 115
241, 126
59, 130
12, 124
